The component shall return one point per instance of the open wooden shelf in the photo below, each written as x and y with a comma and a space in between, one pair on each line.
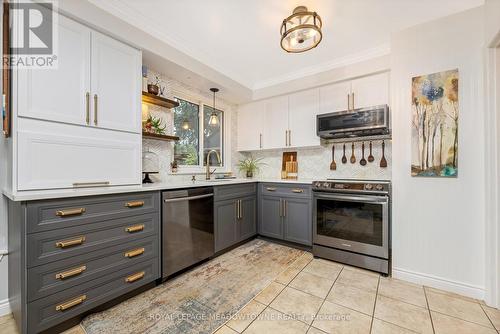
158, 136
158, 100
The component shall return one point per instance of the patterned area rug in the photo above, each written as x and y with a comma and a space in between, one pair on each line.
200, 300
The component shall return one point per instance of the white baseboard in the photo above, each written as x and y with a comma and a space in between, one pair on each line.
4, 307
463, 289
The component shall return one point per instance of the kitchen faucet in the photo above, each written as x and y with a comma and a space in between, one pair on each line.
208, 162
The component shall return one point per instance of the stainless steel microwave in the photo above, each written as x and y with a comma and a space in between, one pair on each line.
354, 123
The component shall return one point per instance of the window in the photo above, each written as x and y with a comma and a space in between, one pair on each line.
186, 126
197, 137
212, 136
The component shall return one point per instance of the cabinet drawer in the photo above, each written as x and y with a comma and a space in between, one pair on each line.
56, 214
280, 189
233, 191
57, 276
45, 247
54, 309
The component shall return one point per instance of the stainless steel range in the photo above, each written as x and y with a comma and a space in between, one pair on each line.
351, 223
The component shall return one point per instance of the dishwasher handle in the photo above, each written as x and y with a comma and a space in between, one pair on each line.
189, 198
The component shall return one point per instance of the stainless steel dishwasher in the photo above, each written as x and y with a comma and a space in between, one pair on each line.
187, 228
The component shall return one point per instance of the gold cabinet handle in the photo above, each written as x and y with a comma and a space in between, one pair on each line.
71, 212
87, 108
71, 273
95, 109
236, 206
70, 243
135, 277
297, 191
135, 228
284, 208
135, 252
90, 184
289, 137
241, 209
134, 204
71, 303
270, 189
352, 101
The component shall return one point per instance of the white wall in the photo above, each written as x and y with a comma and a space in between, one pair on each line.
439, 224
492, 11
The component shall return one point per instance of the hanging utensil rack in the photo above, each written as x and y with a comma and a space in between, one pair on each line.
387, 137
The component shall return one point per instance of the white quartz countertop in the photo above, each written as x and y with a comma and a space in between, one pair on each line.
33, 195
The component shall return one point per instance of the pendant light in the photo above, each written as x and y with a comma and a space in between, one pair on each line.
185, 124
214, 119
301, 31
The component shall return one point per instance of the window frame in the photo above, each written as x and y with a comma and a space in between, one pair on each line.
225, 135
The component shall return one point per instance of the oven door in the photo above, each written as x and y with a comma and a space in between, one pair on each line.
356, 223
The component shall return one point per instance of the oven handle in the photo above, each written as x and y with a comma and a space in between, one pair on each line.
181, 199
352, 198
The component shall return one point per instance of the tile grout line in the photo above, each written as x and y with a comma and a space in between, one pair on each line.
468, 321
324, 300
487, 316
429, 310
374, 305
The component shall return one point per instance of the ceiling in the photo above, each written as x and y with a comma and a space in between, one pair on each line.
240, 39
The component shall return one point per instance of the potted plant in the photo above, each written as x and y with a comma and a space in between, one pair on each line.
250, 165
154, 125
174, 166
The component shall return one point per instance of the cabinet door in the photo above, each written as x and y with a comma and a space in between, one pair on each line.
371, 91
53, 155
59, 94
250, 126
226, 233
116, 84
270, 220
303, 109
248, 221
297, 224
334, 97
275, 122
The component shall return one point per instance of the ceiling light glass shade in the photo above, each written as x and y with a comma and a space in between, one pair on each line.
214, 120
301, 31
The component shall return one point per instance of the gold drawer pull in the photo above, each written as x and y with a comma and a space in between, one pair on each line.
135, 277
135, 228
70, 273
71, 303
135, 252
271, 189
69, 243
298, 191
135, 204
71, 212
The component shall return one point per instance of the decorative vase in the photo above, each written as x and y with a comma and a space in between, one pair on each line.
249, 174
153, 89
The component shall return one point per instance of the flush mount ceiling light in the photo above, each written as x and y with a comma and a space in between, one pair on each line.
214, 119
301, 31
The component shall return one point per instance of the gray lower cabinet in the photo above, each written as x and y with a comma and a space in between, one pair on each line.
285, 212
71, 255
236, 216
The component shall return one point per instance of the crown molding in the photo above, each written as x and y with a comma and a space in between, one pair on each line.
368, 54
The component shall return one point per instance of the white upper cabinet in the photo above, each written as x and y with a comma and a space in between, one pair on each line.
250, 122
335, 97
371, 91
303, 108
275, 122
116, 84
59, 94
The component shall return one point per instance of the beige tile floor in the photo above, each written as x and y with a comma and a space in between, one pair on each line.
316, 296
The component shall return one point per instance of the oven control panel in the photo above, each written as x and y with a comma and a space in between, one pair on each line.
352, 186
